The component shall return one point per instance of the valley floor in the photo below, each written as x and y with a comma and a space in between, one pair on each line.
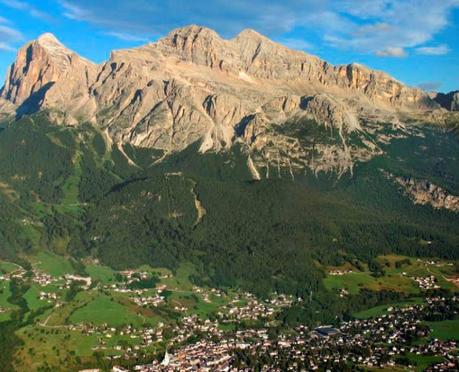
70, 316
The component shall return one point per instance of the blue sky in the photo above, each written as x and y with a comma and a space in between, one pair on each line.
417, 41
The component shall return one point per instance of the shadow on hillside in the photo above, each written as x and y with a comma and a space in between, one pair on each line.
32, 104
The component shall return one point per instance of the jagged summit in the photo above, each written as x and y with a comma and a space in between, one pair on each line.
249, 33
48, 38
194, 30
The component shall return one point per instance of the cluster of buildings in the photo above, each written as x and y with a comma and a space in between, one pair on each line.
339, 272
132, 276
254, 309
426, 282
368, 343
206, 293
17, 274
145, 335
243, 307
148, 300
450, 363
85, 280
200, 356
41, 278
50, 297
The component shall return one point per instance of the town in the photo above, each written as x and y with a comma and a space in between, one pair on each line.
377, 342
243, 332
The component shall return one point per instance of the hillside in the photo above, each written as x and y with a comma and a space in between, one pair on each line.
68, 190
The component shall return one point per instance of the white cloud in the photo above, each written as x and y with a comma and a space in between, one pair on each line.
392, 52
9, 36
126, 37
438, 50
364, 8
386, 27
26, 7
6, 48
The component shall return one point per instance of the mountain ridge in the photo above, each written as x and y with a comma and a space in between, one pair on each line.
192, 85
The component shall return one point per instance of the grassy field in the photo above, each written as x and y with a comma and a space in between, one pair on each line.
5, 293
53, 346
103, 274
32, 296
382, 309
183, 295
71, 202
353, 282
445, 330
421, 362
398, 271
180, 280
5, 316
104, 309
8, 267
53, 264
421, 267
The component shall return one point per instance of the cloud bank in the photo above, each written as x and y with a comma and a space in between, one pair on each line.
8, 36
382, 27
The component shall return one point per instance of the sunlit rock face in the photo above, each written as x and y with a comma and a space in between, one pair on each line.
48, 75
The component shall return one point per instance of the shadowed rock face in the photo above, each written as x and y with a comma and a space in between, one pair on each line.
193, 85
449, 101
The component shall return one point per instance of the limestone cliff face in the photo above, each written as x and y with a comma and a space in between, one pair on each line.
256, 56
192, 85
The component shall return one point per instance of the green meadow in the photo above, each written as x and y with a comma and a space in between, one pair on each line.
104, 309
445, 330
383, 309
398, 271
53, 264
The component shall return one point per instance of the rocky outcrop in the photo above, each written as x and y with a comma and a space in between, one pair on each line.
426, 193
449, 101
329, 111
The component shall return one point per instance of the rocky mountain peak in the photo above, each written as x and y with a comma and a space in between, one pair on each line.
49, 39
250, 34
193, 31
46, 73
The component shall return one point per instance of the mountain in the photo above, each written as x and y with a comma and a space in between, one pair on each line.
259, 164
192, 85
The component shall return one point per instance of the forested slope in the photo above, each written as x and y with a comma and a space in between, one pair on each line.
69, 190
